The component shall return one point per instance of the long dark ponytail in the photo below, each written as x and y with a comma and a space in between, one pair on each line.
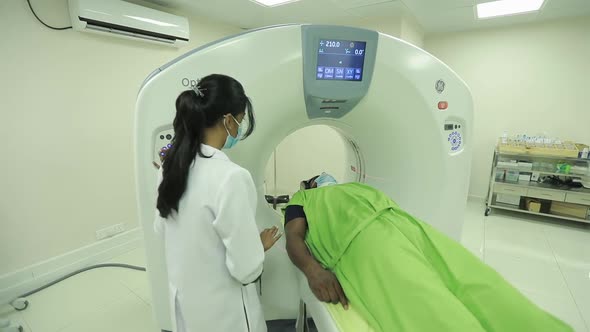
197, 109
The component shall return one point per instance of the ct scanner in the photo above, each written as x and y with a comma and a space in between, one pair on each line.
406, 115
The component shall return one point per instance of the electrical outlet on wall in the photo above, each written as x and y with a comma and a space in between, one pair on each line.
110, 231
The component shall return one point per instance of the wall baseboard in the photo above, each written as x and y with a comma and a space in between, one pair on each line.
479, 199
19, 282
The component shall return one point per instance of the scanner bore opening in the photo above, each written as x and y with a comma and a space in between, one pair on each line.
308, 152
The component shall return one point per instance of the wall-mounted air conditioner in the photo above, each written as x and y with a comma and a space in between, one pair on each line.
124, 19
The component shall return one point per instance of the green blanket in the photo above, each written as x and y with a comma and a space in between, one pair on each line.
400, 274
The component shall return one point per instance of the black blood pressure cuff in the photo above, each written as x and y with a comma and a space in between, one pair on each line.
293, 212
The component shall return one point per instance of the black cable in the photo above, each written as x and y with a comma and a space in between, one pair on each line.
49, 26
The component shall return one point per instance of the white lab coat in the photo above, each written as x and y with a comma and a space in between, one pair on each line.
213, 249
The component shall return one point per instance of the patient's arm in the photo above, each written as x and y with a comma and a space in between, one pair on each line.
298, 252
323, 283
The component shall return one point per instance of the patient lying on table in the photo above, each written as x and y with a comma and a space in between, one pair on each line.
353, 243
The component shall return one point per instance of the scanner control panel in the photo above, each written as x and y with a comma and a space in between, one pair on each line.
162, 141
454, 136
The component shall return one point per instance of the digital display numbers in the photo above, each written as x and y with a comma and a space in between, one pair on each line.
331, 43
341, 60
351, 46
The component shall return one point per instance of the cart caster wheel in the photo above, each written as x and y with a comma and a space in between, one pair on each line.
488, 211
20, 304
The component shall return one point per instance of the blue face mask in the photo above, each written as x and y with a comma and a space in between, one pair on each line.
325, 180
231, 141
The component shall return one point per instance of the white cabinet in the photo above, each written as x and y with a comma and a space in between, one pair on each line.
552, 195
501, 188
578, 198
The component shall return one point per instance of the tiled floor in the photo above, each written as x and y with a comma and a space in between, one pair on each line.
109, 299
547, 260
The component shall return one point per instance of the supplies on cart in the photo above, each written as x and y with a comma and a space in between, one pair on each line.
584, 151
563, 168
525, 166
541, 145
562, 181
569, 210
538, 175
500, 174
524, 177
544, 166
512, 175
533, 204
507, 164
514, 170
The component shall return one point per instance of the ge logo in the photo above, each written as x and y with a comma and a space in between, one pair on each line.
440, 86
189, 83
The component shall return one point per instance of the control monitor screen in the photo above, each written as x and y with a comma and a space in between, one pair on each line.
340, 60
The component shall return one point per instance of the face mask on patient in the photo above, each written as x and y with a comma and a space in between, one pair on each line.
325, 179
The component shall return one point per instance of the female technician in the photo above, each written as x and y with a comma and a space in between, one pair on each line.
207, 206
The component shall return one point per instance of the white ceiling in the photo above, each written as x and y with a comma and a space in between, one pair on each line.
434, 16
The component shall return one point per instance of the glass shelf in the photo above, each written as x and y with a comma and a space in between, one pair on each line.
537, 185
540, 157
571, 175
517, 209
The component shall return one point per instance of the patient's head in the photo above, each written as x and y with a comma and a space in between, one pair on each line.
318, 181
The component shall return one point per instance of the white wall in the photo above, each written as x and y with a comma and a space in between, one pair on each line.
67, 108
403, 27
525, 79
391, 26
411, 31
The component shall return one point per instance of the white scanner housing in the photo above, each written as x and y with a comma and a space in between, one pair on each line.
407, 117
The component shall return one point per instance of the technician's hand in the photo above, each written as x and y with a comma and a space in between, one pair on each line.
269, 237
326, 287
